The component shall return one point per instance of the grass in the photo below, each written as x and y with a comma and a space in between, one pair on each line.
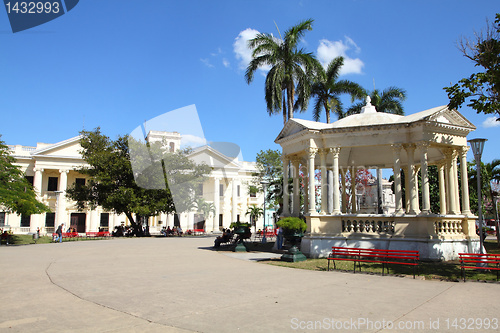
28, 239
446, 270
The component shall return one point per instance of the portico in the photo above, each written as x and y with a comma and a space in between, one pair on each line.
371, 140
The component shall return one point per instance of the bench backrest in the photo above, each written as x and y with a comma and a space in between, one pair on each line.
478, 257
375, 253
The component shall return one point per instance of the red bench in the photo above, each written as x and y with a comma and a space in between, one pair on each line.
198, 231
479, 261
68, 235
358, 255
97, 234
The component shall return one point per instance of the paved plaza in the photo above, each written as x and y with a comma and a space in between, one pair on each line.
182, 285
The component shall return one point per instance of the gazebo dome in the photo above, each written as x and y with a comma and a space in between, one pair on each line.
367, 119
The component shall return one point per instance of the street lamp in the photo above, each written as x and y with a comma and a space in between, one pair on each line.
477, 146
264, 184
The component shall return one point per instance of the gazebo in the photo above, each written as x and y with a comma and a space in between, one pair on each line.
376, 140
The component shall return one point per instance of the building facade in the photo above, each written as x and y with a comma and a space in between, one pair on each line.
51, 168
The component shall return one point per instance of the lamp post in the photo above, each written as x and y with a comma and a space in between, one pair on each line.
264, 184
477, 146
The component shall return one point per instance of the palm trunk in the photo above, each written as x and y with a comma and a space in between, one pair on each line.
284, 111
290, 95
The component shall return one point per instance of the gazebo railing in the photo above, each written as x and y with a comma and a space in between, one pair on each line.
368, 226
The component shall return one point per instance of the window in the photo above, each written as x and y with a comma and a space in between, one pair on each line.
199, 190
2, 219
80, 181
238, 218
221, 220
177, 222
172, 147
29, 179
221, 190
25, 221
104, 220
238, 190
52, 186
50, 219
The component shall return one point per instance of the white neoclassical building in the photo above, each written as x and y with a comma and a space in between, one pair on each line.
51, 169
374, 140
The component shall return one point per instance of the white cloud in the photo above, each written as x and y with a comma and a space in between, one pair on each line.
226, 63
328, 50
240, 47
207, 63
491, 122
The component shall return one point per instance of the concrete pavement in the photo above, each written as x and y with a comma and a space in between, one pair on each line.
181, 285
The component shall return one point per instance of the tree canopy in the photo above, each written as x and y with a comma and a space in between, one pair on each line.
16, 193
145, 190
291, 70
482, 89
389, 101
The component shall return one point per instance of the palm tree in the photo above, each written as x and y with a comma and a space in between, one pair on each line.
327, 90
204, 207
254, 213
291, 69
388, 102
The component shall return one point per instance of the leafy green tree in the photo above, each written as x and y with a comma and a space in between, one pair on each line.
327, 90
113, 183
482, 89
389, 101
16, 193
291, 69
270, 168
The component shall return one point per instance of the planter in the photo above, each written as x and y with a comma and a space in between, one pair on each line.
293, 254
243, 232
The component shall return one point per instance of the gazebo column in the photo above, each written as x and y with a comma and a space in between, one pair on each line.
353, 190
465, 181
450, 182
306, 189
335, 184
442, 189
410, 150
396, 148
455, 180
296, 187
407, 190
286, 194
324, 190
344, 193
310, 165
426, 201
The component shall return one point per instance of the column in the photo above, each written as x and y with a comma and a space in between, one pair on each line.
234, 199
455, 180
61, 199
37, 182
312, 193
215, 223
296, 187
306, 189
324, 191
442, 189
407, 190
344, 193
396, 148
426, 200
410, 150
353, 190
465, 181
330, 191
450, 189
335, 183
286, 194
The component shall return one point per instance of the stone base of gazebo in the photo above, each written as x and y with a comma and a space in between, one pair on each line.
435, 237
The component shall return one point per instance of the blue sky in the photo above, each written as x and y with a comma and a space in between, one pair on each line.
116, 63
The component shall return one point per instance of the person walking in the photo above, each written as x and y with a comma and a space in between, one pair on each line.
279, 238
59, 233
